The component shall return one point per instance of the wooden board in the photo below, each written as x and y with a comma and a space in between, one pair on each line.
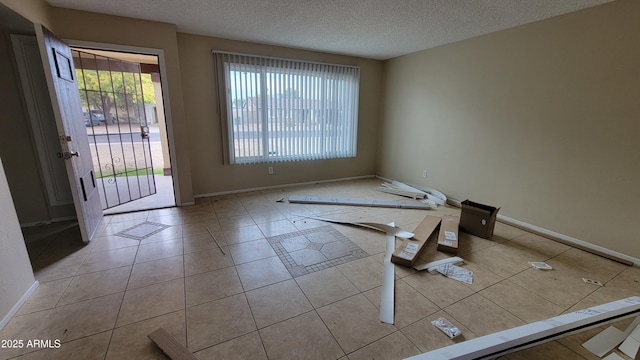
170, 345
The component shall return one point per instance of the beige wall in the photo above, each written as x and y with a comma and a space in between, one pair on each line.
16, 274
542, 120
86, 26
192, 97
210, 175
36, 11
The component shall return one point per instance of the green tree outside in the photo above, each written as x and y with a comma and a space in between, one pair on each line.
121, 93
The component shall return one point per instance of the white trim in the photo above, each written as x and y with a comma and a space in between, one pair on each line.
388, 229
454, 202
166, 98
359, 202
392, 188
431, 266
14, 310
507, 341
568, 240
387, 299
282, 186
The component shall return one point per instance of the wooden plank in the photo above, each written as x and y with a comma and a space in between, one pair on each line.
170, 346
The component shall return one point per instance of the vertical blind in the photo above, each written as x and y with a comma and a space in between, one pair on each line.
288, 110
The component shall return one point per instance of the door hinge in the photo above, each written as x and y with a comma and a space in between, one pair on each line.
65, 138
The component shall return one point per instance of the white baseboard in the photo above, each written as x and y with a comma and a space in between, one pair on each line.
383, 178
568, 240
282, 186
5, 320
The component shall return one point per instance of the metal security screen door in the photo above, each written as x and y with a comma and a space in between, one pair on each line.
112, 95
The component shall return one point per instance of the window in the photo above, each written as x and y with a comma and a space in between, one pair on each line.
286, 110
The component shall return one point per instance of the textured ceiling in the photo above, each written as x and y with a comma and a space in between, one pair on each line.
377, 29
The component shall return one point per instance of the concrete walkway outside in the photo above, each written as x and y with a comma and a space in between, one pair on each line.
107, 159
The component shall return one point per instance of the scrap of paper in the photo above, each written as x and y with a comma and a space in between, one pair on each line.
456, 273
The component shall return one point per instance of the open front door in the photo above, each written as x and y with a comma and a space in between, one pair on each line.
67, 109
111, 91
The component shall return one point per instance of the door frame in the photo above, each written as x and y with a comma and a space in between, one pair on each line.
39, 111
165, 96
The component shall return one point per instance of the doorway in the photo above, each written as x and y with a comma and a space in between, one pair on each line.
123, 114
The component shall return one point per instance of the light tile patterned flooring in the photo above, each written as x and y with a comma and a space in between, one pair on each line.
103, 299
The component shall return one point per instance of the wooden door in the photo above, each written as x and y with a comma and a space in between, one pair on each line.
67, 109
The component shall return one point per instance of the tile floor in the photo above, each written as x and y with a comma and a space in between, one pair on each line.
288, 287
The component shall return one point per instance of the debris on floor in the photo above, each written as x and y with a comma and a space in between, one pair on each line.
447, 327
387, 300
214, 239
540, 265
510, 340
456, 273
428, 196
431, 266
592, 282
631, 344
393, 230
608, 339
613, 356
432, 194
604, 342
170, 346
400, 190
421, 192
359, 202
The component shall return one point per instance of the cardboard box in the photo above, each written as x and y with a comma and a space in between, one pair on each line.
410, 249
448, 236
477, 219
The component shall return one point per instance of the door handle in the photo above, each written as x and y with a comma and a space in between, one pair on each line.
68, 155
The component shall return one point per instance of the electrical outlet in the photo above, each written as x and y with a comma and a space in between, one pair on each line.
424, 174
270, 169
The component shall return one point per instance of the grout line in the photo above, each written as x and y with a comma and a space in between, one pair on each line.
244, 292
330, 332
184, 288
